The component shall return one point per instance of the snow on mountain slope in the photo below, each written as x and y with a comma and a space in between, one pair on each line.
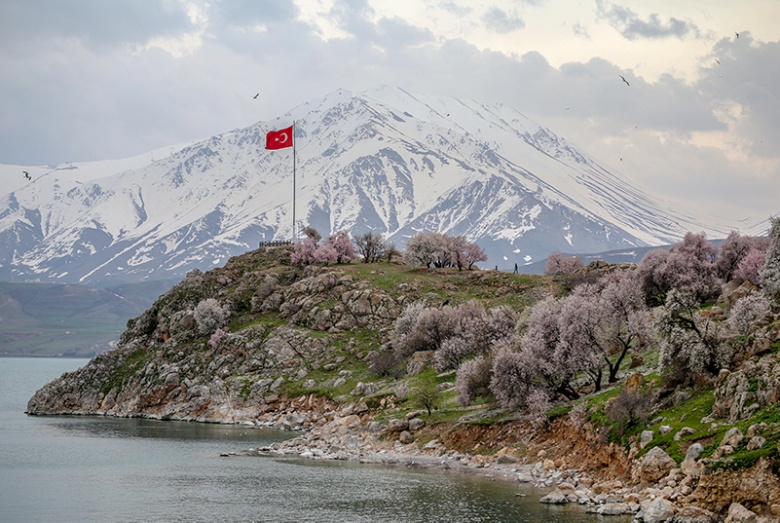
384, 160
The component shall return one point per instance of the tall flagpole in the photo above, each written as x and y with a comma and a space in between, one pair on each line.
295, 229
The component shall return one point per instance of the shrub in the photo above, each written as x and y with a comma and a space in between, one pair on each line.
652, 276
473, 379
426, 249
216, 339
427, 397
453, 350
512, 376
691, 348
770, 272
384, 363
325, 254
749, 267
210, 315
432, 249
370, 246
341, 246
559, 264
538, 403
733, 250
430, 329
629, 409
405, 322
303, 252
689, 265
747, 310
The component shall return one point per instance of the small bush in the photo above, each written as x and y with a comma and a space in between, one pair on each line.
384, 363
427, 397
629, 409
473, 379
210, 315
747, 310
216, 339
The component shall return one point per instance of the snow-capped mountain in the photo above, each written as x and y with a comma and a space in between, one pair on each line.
384, 160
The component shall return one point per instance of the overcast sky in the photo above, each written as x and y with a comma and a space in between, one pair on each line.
698, 126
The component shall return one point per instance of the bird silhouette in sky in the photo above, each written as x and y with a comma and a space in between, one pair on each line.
624, 79
255, 96
736, 33
27, 175
717, 61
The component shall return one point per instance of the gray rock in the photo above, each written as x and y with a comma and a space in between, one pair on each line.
525, 477
655, 465
692, 514
416, 424
645, 438
732, 438
756, 442
755, 429
398, 425
685, 431
556, 497
689, 466
614, 509
365, 389
658, 511
406, 437
739, 514
375, 427
506, 459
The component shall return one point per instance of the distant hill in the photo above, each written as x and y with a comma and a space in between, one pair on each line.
45, 319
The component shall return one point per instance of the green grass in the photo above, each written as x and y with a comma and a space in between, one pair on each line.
742, 457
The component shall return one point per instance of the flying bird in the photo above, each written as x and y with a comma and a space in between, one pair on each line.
27, 175
255, 96
717, 61
624, 79
736, 33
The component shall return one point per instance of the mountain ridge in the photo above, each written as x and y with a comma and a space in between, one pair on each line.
383, 160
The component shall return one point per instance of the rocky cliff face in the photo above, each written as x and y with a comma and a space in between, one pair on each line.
290, 323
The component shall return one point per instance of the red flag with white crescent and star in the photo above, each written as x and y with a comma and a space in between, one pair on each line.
279, 139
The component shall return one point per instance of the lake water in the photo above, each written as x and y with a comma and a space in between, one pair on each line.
92, 469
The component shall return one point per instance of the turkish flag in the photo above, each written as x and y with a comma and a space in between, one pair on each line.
279, 139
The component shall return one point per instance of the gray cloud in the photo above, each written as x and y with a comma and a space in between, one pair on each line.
94, 22
580, 30
246, 13
500, 21
629, 24
455, 9
744, 79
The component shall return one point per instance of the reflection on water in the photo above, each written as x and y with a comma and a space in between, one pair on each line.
86, 469
151, 429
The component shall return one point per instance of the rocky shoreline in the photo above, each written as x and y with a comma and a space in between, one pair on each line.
656, 490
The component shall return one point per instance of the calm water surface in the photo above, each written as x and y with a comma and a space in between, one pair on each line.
84, 469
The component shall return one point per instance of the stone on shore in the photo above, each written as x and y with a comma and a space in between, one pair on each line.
659, 510
655, 465
556, 497
739, 514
